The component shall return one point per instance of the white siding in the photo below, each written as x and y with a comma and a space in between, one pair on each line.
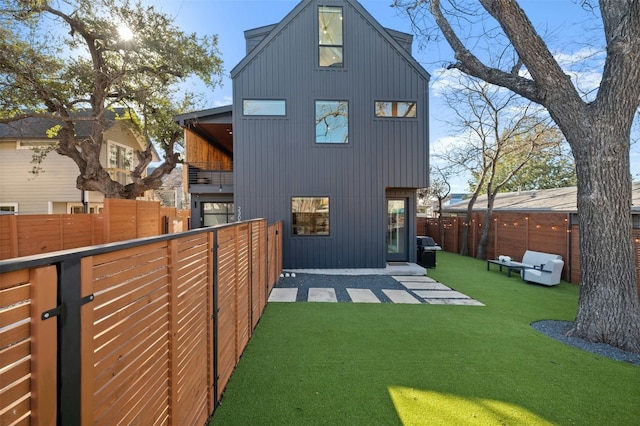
56, 183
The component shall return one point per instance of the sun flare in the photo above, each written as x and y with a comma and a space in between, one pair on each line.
125, 32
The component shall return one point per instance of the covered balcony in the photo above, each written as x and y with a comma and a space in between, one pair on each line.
207, 178
208, 138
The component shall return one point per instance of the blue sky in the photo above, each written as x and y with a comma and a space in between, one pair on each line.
573, 32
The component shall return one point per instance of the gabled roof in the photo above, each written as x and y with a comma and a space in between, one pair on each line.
552, 200
36, 128
391, 37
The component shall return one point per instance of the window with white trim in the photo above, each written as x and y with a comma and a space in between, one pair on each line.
119, 162
8, 208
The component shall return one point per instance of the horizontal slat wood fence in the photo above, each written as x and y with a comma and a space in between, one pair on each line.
512, 233
150, 330
26, 235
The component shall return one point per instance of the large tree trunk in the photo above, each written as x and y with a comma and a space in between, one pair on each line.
608, 310
598, 131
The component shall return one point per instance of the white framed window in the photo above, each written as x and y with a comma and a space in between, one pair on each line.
119, 156
8, 208
75, 208
119, 162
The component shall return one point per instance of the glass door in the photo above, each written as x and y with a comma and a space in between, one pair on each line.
397, 230
217, 213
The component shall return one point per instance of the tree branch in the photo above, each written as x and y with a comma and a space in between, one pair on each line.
468, 63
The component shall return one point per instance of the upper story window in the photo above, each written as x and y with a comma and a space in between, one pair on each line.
332, 122
264, 107
395, 109
120, 156
119, 162
330, 43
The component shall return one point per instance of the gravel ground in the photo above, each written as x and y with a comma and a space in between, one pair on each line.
303, 282
556, 329
376, 283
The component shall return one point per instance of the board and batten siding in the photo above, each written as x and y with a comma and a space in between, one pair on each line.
276, 158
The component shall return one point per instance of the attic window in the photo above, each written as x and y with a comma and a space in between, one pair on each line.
330, 41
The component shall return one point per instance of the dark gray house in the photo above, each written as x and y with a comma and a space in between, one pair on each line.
328, 133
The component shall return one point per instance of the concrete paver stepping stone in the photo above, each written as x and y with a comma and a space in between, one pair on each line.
362, 295
466, 302
424, 286
419, 278
441, 294
401, 296
283, 295
322, 295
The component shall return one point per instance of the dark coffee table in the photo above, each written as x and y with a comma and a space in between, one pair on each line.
510, 265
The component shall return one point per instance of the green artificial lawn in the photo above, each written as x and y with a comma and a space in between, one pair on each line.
389, 364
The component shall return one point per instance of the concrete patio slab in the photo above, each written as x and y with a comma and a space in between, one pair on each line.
424, 286
322, 295
362, 295
283, 295
401, 296
441, 294
466, 302
414, 278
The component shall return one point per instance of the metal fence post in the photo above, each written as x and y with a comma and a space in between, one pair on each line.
69, 348
216, 309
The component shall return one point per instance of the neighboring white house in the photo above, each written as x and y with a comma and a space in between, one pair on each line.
54, 190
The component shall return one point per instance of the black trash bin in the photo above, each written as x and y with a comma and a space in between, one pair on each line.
427, 249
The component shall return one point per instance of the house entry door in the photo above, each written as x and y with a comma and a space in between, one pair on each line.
214, 213
397, 241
